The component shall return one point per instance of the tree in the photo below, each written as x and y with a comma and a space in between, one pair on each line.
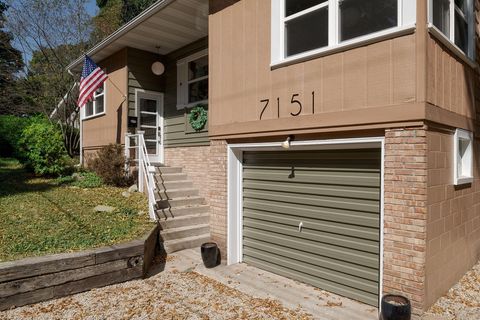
11, 63
53, 33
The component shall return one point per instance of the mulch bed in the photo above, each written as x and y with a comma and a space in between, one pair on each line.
168, 295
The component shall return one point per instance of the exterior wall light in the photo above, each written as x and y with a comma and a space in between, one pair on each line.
286, 143
157, 67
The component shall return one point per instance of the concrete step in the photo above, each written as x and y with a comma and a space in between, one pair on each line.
167, 170
171, 177
181, 184
175, 193
180, 202
184, 232
184, 221
185, 243
182, 211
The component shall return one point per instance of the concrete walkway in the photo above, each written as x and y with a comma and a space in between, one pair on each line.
263, 284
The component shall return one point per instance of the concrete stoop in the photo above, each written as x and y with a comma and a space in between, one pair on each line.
183, 215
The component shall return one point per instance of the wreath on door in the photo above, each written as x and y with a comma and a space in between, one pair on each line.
198, 117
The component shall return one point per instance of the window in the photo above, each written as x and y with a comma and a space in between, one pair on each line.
463, 157
192, 80
304, 27
455, 20
96, 106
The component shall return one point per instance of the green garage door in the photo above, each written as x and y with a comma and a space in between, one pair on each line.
314, 216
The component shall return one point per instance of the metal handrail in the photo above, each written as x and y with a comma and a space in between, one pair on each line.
145, 169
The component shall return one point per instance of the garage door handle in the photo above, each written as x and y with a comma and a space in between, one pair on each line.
300, 226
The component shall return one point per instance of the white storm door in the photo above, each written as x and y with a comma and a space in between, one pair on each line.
150, 121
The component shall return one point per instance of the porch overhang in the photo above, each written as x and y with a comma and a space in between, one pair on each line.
167, 24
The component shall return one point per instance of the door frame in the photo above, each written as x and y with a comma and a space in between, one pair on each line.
159, 96
235, 186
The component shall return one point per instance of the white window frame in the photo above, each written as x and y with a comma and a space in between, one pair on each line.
406, 24
183, 82
449, 40
466, 176
94, 101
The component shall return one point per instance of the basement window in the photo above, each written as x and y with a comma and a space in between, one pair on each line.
192, 80
96, 106
463, 157
302, 28
454, 20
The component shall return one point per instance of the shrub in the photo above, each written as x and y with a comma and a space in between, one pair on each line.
11, 128
42, 149
88, 180
109, 164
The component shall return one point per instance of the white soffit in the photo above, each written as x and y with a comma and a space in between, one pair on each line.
170, 24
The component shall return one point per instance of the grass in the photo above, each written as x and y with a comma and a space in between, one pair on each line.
42, 216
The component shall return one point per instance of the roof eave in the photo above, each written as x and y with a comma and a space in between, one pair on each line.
156, 7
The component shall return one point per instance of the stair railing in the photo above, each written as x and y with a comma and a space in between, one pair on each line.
145, 169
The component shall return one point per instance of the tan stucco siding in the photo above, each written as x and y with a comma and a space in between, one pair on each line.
111, 126
381, 74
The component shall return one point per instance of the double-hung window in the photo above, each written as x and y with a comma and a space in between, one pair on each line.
302, 28
455, 20
96, 106
192, 80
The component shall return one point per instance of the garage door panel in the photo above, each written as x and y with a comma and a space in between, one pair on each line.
313, 270
353, 192
311, 234
359, 218
313, 224
314, 200
349, 255
362, 178
348, 268
335, 195
369, 298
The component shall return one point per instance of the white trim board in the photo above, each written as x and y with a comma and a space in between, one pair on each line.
235, 187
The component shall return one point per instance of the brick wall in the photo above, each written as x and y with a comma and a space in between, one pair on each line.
194, 161
217, 193
405, 214
453, 225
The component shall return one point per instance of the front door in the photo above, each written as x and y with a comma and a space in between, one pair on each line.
150, 121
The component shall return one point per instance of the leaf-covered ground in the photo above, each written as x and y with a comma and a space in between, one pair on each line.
38, 216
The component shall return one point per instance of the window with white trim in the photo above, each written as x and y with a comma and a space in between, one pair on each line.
455, 20
192, 80
96, 105
304, 27
463, 157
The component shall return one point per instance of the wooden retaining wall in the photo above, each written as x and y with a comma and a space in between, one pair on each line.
43, 278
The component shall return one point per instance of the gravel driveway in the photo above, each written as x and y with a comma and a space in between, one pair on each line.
462, 302
167, 295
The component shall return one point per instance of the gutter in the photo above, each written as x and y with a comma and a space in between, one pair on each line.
156, 7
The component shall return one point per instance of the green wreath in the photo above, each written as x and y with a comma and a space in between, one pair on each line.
198, 117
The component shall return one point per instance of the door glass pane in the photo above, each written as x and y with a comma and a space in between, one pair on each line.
151, 147
198, 68
294, 6
198, 91
441, 16
148, 119
150, 133
307, 32
148, 105
359, 18
461, 32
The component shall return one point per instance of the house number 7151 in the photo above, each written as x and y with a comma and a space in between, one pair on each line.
265, 104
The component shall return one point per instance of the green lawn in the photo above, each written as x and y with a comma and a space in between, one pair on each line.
38, 216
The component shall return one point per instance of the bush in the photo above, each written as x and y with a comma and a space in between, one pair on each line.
11, 128
88, 180
109, 164
41, 148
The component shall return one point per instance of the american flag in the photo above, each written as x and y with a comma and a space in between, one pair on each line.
92, 78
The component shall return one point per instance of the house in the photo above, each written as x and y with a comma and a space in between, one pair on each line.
343, 136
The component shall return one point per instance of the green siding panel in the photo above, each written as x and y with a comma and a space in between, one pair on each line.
336, 196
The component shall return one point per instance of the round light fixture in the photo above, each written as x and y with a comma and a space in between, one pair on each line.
158, 68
